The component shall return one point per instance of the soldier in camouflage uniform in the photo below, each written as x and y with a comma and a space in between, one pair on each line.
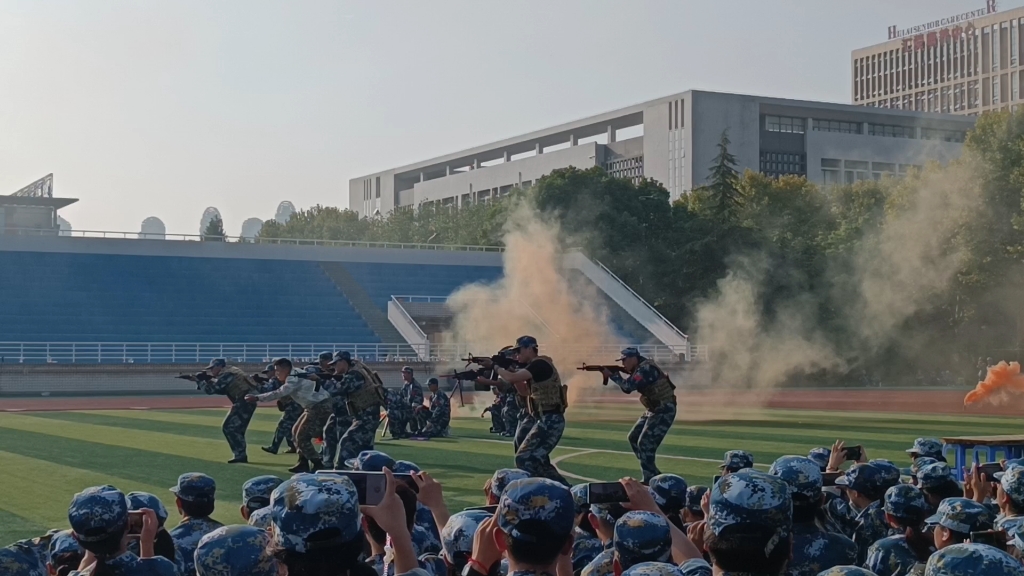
234, 551
532, 511
972, 560
495, 408
814, 549
37, 546
510, 412
230, 381
1010, 498
638, 537
99, 519
862, 518
896, 555
364, 397
937, 482
196, 494
692, 512
141, 500
440, 413
256, 494
657, 394
339, 420
64, 550
547, 402
20, 560
305, 506
669, 493
403, 412
956, 519
290, 413
926, 448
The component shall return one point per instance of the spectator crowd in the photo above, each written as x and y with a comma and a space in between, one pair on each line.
831, 512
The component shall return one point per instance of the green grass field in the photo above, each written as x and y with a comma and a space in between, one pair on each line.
46, 457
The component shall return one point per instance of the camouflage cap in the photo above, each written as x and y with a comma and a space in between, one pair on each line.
256, 491
97, 513
802, 474
20, 561
972, 560
584, 550
694, 494
217, 363
962, 515
653, 569
325, 355
1012, 482
195, 487
580, 496
610, 512
905, 501
917, 464
737, 460
371, 461
306, 504
1006, 466
140, 500
642, 537
630, 352
934, 475
820, 456
751, 497
269, 368
890, 473
261, 518
457, 535
669, 492
63, 542
405, 467
343, 355
502, 477
846, 571
540, 499
232, 550
926, 447
862, 477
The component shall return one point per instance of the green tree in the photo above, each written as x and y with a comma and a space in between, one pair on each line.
722, 194
214, 231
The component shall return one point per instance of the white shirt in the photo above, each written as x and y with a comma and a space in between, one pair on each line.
301, 390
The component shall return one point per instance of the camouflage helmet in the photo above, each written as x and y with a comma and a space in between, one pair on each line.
306, 504
735, 460
669, 492
934, 475
653, 569
802, 474
232, 550
694, 494
256, 491
405, 467
502, 477
906, 502
539, 499
972, 560
261, 518
195, 487
929, 447
751, 497
642, 537
846, 571
371, 461
962, 515
457, 535
140, 500
17, 560
97, 513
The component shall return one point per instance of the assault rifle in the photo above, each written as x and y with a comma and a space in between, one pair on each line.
613, 368
498, 360
198, 377
260, 378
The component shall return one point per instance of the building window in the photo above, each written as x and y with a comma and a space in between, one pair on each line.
630, 168
378, 187
1014, 87
784, 124
1014, 48
783, 163
942, 135
995, 47
890, 131
836, 126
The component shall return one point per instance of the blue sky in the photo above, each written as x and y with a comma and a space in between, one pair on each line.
162, 108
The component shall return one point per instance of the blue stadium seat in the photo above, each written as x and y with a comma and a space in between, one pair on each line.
382, 281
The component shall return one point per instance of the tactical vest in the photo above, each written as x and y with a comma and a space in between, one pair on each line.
370, 395
660, 393
549, 396
240, 385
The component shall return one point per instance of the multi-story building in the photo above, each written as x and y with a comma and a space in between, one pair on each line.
674, 140
967, 64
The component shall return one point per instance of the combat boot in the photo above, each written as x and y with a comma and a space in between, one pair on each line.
301, 467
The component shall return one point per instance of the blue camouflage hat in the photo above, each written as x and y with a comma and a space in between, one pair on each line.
261, 518
653, 569
502, 477
1016, 537
737, 460
610, 512
694, 494
846, 571
630, 352
217, 363
972, 560
343, 355
306, 504
1012, 482
802, 474
929, 447
917, 464
890, 473
1006, 466
934, 475
20, 561
97, 513
820, 456
669, 492
584, 550
63, 542
525, 342
545, 501
256, 491
371, 461
140, 500
862, 477
642, 537
751, 497
961, 515
405, 467
234, 550
906, 502
325, 356
195, 487
580, 496
457, 535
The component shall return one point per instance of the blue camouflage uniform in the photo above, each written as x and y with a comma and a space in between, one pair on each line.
193, 487
972, 560
37, 546
339, 421
234, 551
402, 412
140, 500
497, 404
534, 453
261, 518
585, 546
926, 447
545, 502
424, 517
440, 415
360, 433
654, 569
814, 549
865, 526
962, 515
846, 571
101, 512
892, 556
658, 397
20, 560
509, 411
1011, 482
234, 384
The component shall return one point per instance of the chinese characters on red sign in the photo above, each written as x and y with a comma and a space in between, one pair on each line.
932, 39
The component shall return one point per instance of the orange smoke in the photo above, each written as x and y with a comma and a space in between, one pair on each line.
1002, 377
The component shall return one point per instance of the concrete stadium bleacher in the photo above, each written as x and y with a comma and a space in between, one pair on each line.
382, 281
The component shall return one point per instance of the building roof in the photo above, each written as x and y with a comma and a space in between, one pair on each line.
42, 201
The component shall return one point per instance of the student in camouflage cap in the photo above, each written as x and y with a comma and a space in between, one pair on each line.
916, 467
500, 480
692, 512
937, 483
405, 467
928, 448
862, 518
585, 545
669, 493
814, 549
749, 528
1010, 498
533, 526
603, 518
63, 551
457, 538
905, 510
653, 569
972, 560
641, 537
261, 518
99, 519
890, 473
371, 461
164, 544
196, 496
820, 456
19, 560
235, 551
846, 571
256, 494
956, 519
736, 460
